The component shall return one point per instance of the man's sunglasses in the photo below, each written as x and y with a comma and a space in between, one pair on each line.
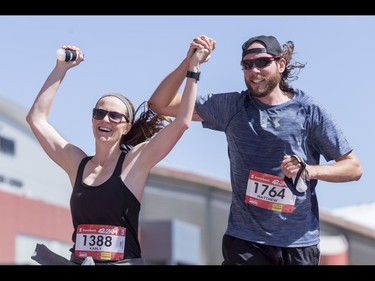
114, 116
259, 62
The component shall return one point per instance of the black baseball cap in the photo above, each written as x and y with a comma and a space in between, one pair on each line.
272, 46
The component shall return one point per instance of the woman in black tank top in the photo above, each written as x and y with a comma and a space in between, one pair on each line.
108, 186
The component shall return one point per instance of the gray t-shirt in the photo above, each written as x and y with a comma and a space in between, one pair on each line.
263, 209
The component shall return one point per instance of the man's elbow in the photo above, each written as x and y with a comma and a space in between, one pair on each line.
355, 166
356, 169
358, 173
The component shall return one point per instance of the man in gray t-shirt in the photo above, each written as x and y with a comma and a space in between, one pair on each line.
276, 135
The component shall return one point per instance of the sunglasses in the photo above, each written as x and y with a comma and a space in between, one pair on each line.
113, 116
259, 62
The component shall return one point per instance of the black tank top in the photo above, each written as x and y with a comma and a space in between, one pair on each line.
110, 203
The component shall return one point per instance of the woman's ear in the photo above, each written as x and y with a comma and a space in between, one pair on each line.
127, 128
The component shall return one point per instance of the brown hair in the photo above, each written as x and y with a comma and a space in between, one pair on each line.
144, 127
292, 68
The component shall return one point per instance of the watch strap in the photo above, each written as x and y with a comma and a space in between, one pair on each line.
192, 74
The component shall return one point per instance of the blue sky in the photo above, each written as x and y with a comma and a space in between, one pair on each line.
132, 54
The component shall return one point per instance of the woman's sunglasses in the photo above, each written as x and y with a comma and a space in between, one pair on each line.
259, 62
113, 116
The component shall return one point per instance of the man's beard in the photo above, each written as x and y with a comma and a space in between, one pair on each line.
270, 83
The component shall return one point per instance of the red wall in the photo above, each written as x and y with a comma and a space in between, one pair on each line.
335, 259
20, 215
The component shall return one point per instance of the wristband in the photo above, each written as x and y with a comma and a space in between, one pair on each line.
195, 75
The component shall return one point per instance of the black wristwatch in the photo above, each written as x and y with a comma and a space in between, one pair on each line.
195, 75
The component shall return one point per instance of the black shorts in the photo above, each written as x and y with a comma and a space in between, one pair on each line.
241, 252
